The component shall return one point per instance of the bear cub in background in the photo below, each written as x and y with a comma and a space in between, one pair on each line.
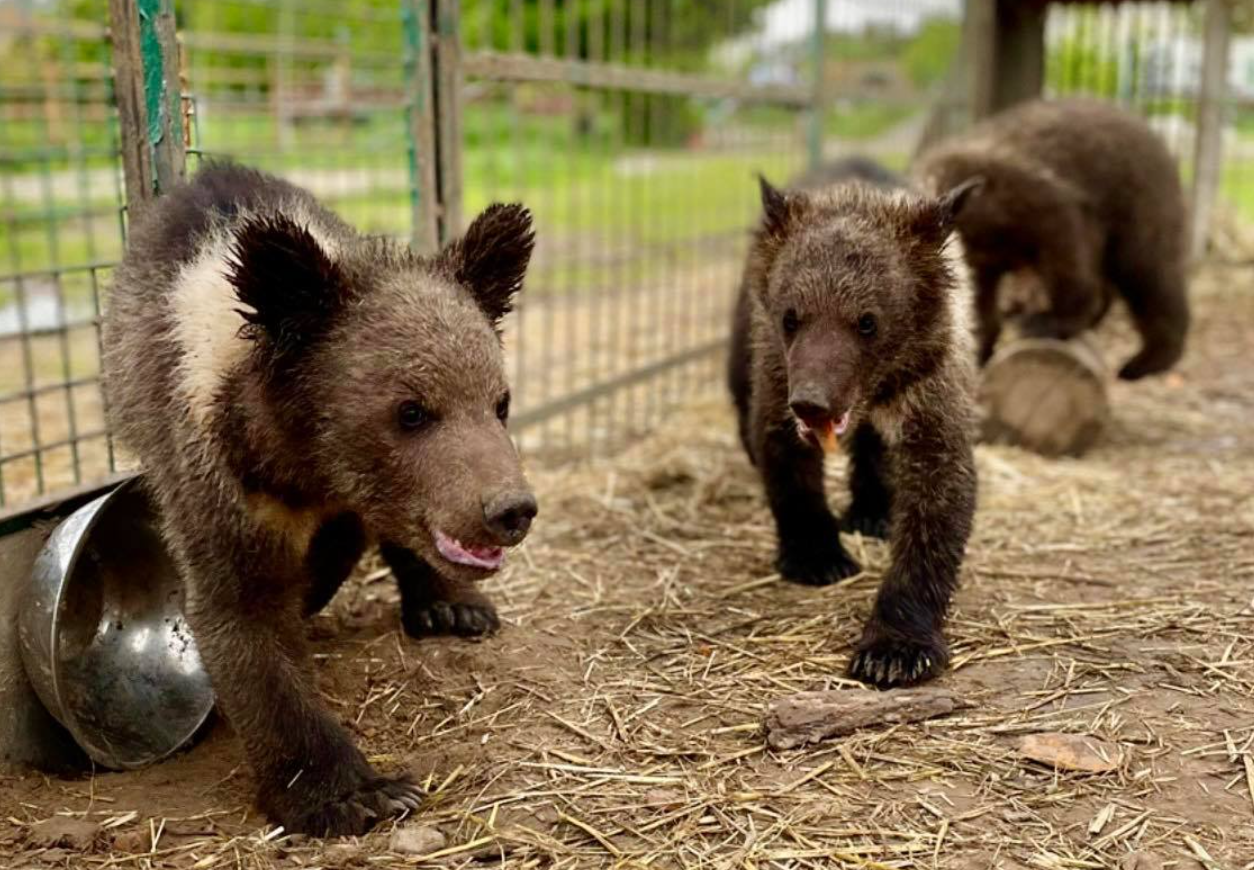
1086, 196
295, 393
853, 325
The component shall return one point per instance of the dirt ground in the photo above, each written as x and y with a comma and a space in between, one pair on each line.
616, 720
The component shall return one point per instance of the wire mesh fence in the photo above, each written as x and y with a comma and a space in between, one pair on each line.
61, 213
1148, 57
607, 121
632, 128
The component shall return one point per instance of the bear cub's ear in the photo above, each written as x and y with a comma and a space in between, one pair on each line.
951, 203
934, 221
491, 259
780, 209
290, 285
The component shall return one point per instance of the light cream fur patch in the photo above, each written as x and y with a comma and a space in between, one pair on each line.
207, 326
962, 299
206, 312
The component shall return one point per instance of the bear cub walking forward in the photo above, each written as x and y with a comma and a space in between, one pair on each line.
297, 392
853, 325
1084, 194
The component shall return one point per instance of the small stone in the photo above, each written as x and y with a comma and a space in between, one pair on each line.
133, 842
1141, 861
416, 840
1071, 752
78, 835
341, 854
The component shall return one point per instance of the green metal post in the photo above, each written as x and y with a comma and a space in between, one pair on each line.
146, 57
161, 91
817, 108
448, 104
424, 197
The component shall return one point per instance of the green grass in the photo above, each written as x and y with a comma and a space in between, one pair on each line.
865, 120
589, 195
590, 192
1238, 188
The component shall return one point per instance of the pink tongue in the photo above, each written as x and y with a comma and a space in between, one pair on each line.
455, 551
842, 424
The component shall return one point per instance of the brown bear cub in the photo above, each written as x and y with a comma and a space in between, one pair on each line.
853, 324
296, 392
1087, 197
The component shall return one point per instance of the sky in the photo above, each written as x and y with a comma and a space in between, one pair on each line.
790, 20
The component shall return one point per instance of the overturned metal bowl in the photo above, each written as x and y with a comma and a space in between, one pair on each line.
103, 637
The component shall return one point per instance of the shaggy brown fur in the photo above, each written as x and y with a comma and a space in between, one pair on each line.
853, 309
1086, 195
296, 392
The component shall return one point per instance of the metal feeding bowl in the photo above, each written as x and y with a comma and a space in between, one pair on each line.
103, 636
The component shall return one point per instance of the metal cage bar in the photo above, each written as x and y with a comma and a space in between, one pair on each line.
632, 129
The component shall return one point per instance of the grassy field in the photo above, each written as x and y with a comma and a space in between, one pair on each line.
1238, 187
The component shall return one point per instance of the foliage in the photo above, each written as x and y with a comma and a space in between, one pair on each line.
1077, 64
928, 56
677, 35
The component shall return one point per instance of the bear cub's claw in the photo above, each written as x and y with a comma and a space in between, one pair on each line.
349, 814
464, 619
887, 659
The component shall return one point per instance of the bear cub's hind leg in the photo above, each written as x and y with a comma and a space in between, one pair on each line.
432, 604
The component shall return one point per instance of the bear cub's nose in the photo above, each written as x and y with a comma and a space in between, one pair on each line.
810, 406
508, 516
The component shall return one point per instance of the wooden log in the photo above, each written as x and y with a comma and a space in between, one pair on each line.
809, 717
1045, 395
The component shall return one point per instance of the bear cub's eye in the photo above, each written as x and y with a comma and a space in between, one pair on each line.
411, 416
502, 408
790, 323
867, 325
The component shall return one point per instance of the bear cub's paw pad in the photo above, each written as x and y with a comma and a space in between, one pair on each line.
869, 524
463, 619
354, 813
815, 563
888, 660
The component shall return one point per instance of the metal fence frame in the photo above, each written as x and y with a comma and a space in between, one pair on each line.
154, 135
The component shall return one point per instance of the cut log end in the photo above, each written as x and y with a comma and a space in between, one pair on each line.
1045, 395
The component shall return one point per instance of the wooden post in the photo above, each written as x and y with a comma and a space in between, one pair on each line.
146, 71
448, 109
425, 233
818, 61
979, 52
1208, 155
1019, 53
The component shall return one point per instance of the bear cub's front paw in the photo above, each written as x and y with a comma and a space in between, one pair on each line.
464, 619
344, 812
887, 657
